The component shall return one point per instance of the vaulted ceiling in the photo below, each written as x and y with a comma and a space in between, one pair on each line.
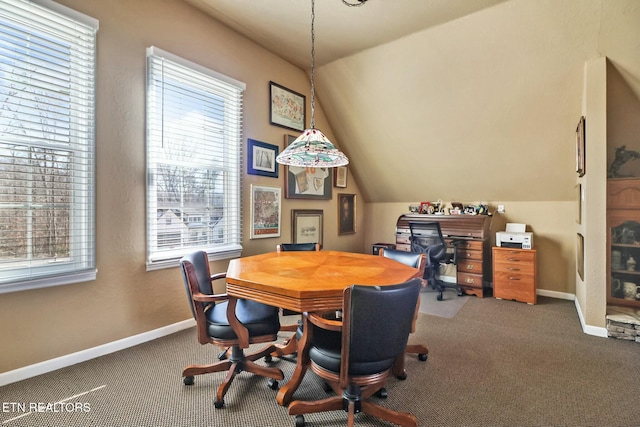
471, 100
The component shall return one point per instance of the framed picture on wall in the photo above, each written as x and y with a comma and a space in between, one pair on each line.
305, 183
580, 147
306, 226
346, 214
340, 177
265, 211
580, 256
261, 158
287, 108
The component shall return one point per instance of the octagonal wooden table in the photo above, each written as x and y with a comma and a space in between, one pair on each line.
306, 282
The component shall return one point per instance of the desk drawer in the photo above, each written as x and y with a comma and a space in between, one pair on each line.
514, 256
470, 244
468, 254
470, 266
514, 268
470, 279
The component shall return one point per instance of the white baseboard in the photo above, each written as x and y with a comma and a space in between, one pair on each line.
588, 329
556, 294
90, 353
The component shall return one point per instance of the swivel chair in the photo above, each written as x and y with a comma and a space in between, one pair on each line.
357, 362
427, 237
291, 345
213, 327
415, 260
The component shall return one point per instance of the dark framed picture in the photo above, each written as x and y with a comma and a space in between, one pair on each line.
305, 183
286, 107
306, 225
261, 158
265, 212
340, 177
580, 146
346, 213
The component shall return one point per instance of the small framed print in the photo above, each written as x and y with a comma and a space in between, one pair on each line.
306, 226
261, 158
287, 108
346, 214
265, 211
307, 183
340, 177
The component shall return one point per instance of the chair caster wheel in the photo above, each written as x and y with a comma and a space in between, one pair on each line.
218, 404
299, 421
402, 376
188, 380
268, 358
422, 357
273, 384
382, 393
460, 293
439, 297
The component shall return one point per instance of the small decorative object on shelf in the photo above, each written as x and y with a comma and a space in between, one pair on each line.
631, 264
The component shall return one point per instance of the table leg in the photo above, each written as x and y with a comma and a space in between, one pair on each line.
285, 394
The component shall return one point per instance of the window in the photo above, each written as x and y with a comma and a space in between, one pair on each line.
194, 141
47, 145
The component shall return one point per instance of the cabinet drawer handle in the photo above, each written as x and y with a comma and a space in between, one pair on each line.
469, 280
514, 278
513, 259
470, 266
513, 269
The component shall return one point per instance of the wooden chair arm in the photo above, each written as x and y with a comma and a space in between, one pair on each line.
200, 297
324, 323
218, 276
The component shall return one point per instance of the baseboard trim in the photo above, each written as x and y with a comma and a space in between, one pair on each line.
588, 329
556, 294
90, 353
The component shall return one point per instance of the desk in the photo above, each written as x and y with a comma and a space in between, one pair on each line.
307, 282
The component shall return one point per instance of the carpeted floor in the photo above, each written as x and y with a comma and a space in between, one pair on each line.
496, 363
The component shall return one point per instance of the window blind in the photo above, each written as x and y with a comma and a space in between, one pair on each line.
194, 149
47, 145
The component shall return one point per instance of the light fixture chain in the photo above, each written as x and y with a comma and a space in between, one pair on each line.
313, 63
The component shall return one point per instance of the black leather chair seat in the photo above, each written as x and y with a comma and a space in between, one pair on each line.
325, 352
259, 319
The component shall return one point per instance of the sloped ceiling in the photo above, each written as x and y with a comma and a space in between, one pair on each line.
452, 99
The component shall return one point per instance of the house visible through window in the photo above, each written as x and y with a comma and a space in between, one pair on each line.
194, 140
47, 149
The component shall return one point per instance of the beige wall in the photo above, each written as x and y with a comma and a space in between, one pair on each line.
552, 224
125, 300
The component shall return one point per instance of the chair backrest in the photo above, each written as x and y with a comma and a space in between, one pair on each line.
412, 259
427, 237
197, 278
377, 322
289, 247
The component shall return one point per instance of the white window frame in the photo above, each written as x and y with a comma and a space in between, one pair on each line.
47, 19
163, 65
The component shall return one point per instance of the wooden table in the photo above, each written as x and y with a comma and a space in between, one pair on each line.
307, 282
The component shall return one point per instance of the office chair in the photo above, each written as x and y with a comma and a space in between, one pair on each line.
213, 327
416, 260
291, 345
427, 237
357, 362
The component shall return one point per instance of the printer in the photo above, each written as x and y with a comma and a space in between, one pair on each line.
515, 236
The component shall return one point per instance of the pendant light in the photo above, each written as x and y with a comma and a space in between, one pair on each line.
312, 148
